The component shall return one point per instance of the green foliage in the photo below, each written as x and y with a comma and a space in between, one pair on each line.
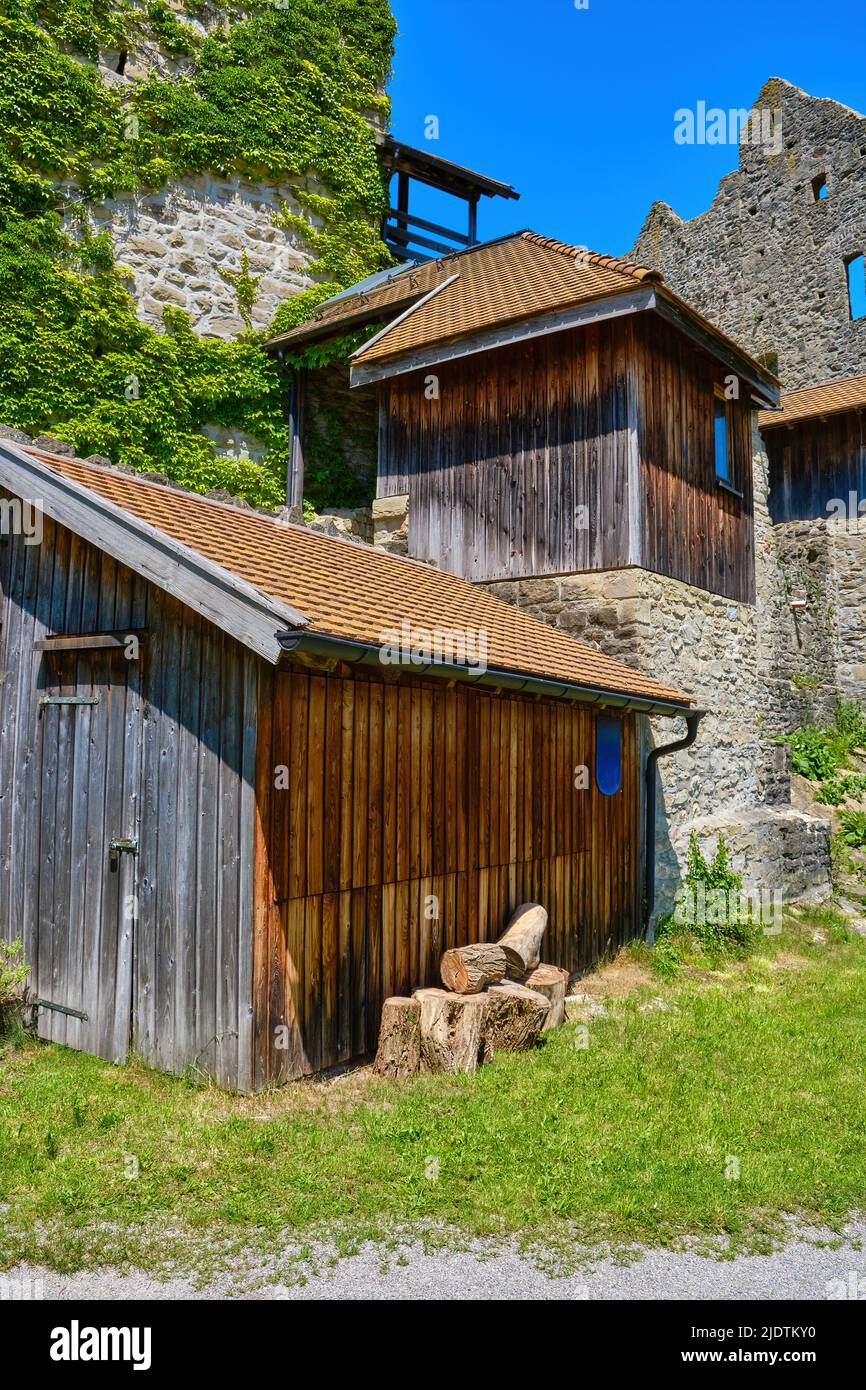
820, 753
13, 971
815, 753
853, 831
837, 789
78, 363
283, 92
13, 974
711, 914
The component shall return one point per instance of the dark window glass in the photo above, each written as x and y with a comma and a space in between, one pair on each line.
608, 754
720, 437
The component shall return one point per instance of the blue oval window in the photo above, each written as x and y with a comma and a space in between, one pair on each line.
608, 754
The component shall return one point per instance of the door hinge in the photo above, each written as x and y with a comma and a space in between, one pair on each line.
68, 700
61, 1009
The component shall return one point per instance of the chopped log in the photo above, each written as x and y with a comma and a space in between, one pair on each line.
521, 940
552, 982
399, 1051
452, 1029
515, 1018
469, 969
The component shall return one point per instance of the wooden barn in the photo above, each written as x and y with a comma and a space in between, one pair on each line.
816, 447
546, 410
254, 779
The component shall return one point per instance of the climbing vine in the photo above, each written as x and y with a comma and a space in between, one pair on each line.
282, 92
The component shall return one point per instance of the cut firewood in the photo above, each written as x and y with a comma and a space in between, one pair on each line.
399, 1051
514, 1018
469, 969
521, 940
452, 1029
552, 982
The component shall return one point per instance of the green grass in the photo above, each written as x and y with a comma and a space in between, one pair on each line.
625, 1140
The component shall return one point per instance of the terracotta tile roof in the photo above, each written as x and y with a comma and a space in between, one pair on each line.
504, 281
499, 280
352, 591
828, 398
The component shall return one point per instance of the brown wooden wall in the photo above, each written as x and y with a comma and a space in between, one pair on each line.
616, 417
167, 756
691, 529
399, 791
814, 462
518, 439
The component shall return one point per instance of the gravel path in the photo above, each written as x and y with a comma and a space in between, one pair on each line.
804, 1269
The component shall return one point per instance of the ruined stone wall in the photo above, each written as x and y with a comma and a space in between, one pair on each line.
766, 261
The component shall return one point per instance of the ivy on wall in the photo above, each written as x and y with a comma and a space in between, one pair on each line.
281, 92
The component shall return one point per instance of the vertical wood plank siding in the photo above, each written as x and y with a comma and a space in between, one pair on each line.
616, 418
396, 793
691, 529
813, 462
182, 729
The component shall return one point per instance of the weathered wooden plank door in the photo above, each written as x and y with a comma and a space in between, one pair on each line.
88, 797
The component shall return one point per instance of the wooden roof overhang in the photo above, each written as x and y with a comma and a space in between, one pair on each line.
648, 297
339, 649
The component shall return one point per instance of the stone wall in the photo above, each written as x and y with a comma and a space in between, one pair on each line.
180, 242
766, 262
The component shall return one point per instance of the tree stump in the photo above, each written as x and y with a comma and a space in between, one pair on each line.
521, 940
452, 1029
399, 1051
469, 969
514, 1020
552, 982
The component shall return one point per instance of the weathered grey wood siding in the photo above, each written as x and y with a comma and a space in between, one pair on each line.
185, 735
814, 462
516, 442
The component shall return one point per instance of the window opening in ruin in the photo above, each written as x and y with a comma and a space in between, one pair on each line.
856, 270
819, 187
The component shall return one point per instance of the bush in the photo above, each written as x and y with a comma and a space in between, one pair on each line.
819, 753
13, 973
711, 912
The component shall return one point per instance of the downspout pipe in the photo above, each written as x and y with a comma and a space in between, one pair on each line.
693, 719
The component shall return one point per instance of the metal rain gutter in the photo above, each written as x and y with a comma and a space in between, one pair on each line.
367, 654
693, 719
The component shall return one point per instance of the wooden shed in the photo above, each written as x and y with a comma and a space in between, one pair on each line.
254, 779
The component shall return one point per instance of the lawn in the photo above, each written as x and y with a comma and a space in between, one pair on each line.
708, 1105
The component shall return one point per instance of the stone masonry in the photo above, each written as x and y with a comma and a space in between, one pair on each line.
181, 242
766, 261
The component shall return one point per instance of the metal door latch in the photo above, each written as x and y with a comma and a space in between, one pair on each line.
117, 847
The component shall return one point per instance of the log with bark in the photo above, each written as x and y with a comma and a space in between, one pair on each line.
452, 1029
514, 1018
552, 982
399, 1051
470, 969
521, 940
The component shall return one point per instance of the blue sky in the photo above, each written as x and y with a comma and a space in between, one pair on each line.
575, 108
